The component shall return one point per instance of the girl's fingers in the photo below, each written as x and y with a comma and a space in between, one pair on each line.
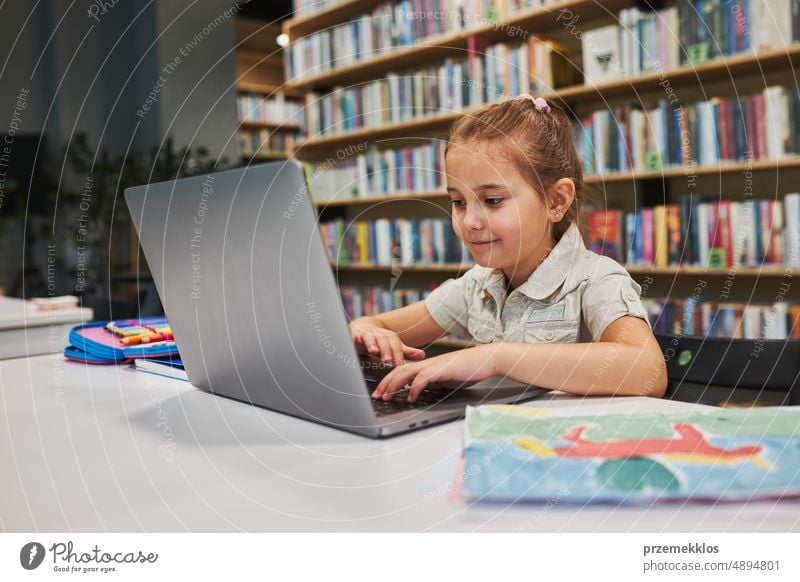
413, 353
385, 348
421, 380
397, 351
395, 380
370, 343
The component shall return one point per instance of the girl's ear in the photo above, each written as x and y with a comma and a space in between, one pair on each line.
562, 193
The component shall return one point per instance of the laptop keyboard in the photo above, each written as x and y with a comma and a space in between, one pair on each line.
400, 403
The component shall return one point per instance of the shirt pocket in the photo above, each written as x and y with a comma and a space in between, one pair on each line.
551, 332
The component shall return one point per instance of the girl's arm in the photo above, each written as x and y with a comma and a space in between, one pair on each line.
390, 335
626, 361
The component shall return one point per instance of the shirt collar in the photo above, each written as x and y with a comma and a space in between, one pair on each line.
549, 275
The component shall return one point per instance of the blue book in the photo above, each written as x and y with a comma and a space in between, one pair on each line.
678, 138
169, 367
639, 243
630, 226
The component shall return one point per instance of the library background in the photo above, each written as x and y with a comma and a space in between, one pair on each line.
686, 115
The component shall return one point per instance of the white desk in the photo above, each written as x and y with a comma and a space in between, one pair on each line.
82, 450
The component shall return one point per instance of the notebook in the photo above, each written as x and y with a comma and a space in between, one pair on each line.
522, 454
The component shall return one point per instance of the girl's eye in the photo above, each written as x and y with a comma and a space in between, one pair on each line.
493, 201
457, 203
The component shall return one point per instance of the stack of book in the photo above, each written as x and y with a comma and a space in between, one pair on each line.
486, 74
399, 241
38, 326
705, 232
391, 25
763, 126
692, 317
381, 172
271, 109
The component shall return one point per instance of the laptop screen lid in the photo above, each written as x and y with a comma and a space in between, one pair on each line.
239, 264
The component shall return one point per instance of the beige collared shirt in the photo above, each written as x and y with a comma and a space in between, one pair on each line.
572, 296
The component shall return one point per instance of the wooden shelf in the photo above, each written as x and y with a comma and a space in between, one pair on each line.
326, 17
276, 125
433, 268
274, 59
536, 20
369, 200
767, 271
727, 67
450, 268
267, 89
669, 173
265, 156
633, 86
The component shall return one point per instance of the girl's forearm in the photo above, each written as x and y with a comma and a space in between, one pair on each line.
368, 320
598, 369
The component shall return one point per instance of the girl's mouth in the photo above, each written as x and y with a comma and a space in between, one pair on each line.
484, 242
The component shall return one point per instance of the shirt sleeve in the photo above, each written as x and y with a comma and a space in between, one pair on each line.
449, 307
610, 296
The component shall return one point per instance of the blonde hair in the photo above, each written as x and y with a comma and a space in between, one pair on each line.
537, 140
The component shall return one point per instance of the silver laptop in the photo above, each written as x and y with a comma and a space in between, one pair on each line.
240, 267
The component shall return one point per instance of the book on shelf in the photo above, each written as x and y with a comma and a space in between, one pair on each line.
602, 58
400, 241
360, 301
701, 231
605, 233
761, 126
377, 172
275, 108
695, 317
266, 142
301, 7
690, 32
488, 72
393, 25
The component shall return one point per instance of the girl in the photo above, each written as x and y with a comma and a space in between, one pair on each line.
514, 178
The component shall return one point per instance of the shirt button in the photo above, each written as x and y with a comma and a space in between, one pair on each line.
632, 295
514, 299
549, 335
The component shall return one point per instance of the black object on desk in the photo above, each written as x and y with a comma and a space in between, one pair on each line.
718, 370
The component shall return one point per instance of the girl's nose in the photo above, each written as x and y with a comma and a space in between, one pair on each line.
474, 217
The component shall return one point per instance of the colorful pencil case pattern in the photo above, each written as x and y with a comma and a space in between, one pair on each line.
93, 343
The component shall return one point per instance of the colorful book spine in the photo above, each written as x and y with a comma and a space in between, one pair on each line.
693, 316
762, 126
702, 232
388, 242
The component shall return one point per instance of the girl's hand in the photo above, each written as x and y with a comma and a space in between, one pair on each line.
471, 364
380, 342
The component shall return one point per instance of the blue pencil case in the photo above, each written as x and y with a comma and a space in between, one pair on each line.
93, 343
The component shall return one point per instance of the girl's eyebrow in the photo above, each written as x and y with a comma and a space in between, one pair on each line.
491, 187
480, 188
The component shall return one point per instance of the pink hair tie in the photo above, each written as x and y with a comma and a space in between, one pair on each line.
538, 102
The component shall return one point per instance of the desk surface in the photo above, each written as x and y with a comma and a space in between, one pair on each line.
89, 449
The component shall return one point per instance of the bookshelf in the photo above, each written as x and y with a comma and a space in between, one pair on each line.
264, 133
766, 62
724, 76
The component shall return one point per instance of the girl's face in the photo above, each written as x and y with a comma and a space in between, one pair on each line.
499, 216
